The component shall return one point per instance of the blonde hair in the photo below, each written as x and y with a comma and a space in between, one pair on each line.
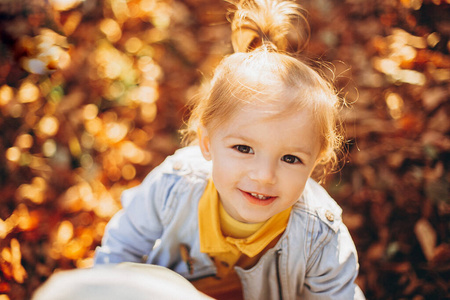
261, 66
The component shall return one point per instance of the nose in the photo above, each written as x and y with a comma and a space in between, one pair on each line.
263, 171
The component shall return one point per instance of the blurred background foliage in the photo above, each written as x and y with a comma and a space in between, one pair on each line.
92, 94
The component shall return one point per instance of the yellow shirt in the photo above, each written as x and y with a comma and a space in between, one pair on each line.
247, 246
234, 228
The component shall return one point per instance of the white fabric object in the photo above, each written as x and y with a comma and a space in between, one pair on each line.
118, 282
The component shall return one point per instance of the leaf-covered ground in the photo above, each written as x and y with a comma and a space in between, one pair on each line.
92, 94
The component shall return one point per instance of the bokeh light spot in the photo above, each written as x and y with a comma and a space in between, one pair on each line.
6, 94
395, 104
13, 154
65, 232
48, 125
133, 45
128, 172
148, 111
116, 131
63, 5
24, 141
49, 148
28, 92
111, 29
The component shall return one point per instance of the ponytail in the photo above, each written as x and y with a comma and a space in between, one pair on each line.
267, 23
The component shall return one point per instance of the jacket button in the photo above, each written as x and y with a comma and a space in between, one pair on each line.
329, 215
177, 165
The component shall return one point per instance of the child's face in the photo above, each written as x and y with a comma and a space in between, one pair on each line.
260, 163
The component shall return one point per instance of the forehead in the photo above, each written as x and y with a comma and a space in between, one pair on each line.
271, 112
281, 101
271, 101
259, 125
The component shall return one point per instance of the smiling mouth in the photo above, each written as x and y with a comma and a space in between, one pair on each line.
260, 197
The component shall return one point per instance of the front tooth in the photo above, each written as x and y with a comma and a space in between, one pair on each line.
260, 197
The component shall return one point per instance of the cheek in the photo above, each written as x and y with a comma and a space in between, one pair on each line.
223, 170
294, 183
226, 173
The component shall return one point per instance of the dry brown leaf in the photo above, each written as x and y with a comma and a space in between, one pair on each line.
426, 236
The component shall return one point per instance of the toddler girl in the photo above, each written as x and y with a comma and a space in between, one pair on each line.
238, 214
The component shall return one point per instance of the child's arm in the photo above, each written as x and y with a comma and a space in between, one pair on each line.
132, 232
333, 270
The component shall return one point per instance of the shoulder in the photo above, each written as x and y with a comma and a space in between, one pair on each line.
187, 161
185, 169
185, 164
317, 203
316, 220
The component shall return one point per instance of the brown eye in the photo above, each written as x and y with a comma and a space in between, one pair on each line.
291, 159
244, 149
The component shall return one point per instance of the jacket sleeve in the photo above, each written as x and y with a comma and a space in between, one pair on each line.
332, 269
132, 232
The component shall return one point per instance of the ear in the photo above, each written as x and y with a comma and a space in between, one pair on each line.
204, 142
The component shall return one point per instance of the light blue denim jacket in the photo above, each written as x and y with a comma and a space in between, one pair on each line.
314, 259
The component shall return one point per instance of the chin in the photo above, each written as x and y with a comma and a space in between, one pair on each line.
253, 219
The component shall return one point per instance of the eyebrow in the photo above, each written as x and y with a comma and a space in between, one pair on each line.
301, 150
